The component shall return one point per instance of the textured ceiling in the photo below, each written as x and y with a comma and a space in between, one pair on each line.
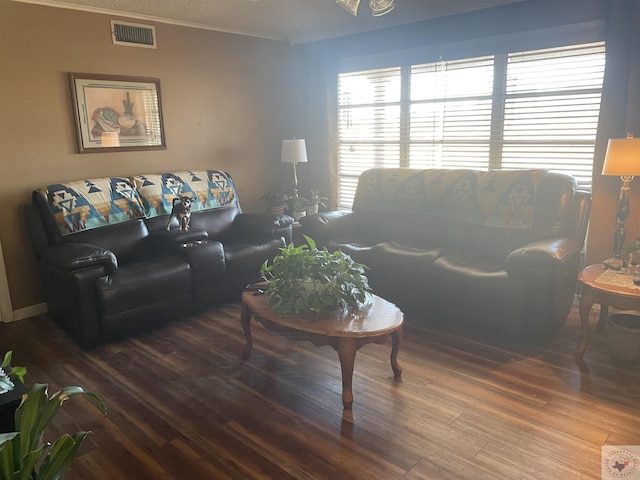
297, 21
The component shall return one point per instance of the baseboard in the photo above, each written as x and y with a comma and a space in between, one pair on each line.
30, 311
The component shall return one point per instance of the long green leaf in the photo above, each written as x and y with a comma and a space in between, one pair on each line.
8, 460
19, 372
28, 463
62, 453
68, 392
28, 416
7, 359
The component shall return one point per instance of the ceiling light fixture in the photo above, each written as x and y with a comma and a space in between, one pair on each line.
378, 7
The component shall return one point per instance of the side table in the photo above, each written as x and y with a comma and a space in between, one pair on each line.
9, 402
607, 295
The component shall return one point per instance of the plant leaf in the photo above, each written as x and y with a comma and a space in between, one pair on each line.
62, 453
57, 399
28, 463
7, 359
28, 416
8, 460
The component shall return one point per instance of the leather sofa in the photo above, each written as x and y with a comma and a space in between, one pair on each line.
109, 266
489, 253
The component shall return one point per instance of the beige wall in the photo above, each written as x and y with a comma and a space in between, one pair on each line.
222, 98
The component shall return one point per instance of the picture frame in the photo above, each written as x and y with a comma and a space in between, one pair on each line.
117, 113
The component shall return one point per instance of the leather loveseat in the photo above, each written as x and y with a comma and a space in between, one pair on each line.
491, 253
109, 266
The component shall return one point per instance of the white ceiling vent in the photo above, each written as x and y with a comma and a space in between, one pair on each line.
133, 34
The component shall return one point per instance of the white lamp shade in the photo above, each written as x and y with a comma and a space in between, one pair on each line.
294, 151
110, 139
623, 157
350, 6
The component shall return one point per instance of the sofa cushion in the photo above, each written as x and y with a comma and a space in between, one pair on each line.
243, 262
400, 270
88, 204
476, 293
127, 241
209, 188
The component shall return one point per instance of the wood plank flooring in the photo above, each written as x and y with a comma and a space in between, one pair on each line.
182, 405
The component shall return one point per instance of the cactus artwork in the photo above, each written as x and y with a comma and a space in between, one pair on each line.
128, 106
127, 120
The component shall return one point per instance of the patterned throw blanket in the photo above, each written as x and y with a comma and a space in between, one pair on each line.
87, 204
209, 189
494, 198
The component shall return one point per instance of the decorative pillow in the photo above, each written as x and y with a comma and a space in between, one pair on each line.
506, 198
208, 188
88, 204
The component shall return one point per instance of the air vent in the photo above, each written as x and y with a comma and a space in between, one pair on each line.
133, 34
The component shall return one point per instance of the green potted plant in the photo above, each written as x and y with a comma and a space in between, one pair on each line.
315, 201
25, 454
274, 202
296, 207
305, 280
633, 251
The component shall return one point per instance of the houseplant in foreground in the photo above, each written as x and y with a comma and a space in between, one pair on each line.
25, 454
305, 280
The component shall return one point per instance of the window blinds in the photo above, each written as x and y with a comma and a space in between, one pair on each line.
535, 109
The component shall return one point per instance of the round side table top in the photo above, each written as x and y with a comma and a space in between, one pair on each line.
589, 276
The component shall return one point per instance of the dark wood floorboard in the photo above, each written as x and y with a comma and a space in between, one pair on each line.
182, 405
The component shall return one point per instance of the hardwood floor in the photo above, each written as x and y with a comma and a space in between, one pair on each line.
182, 405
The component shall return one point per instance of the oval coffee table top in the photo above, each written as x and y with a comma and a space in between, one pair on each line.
378, 317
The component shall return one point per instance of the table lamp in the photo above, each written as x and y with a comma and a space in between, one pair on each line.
294, 151
622, 159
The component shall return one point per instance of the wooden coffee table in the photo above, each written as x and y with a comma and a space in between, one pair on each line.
344, 332
606, 295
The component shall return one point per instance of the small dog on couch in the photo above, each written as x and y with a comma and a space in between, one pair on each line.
182, 212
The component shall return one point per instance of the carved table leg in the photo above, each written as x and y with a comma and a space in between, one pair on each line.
347, 353
396, 337
604, 313
245, 320
586, 302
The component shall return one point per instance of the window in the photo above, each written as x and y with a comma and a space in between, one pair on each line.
535, 109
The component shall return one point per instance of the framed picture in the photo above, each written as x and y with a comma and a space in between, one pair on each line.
115, 113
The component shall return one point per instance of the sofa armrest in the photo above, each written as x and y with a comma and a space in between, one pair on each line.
548, 254
326, 226
75, 256
262, 226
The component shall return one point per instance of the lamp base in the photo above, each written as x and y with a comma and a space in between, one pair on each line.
613, 263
